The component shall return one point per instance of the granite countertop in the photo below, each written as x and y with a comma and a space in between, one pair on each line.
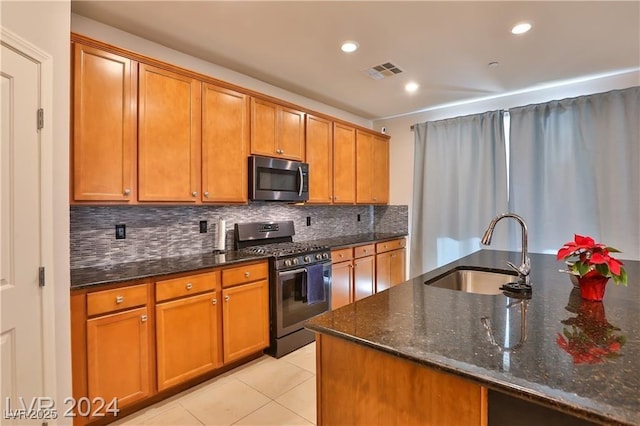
99, 275
443, 329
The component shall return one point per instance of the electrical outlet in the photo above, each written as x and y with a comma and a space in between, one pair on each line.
203, 226
358, 217
121, 231
308, 220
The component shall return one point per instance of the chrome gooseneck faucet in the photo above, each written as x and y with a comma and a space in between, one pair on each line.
525, 266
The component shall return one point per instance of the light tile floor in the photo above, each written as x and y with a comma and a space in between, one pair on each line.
266, 391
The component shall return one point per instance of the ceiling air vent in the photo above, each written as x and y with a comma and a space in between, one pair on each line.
381, 71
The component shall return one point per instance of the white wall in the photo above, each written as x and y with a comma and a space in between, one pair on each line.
46, 25
116, 37
402, 137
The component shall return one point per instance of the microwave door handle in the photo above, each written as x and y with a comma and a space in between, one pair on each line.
301, 181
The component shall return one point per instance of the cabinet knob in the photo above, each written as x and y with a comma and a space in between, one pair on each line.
385, 246
341, 255
393, 255
127, 191
227, 298
335, 198
119, 299
364, 250
189, 286
246, 274
375, 199
194, 193
214, 301
143, 318
206, 194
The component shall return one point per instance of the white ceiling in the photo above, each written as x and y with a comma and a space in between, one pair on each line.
444, 46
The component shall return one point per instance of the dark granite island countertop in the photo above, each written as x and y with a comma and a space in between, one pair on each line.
443, 329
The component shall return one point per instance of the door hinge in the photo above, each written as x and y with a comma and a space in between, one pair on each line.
40, 118
41, 276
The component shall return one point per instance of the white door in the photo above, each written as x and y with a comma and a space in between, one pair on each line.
21, 299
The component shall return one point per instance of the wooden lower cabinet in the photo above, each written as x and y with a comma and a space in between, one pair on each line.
360, 271
134, 340
364, 277
390, 269
118, 356
245, 321
341, 284
375, 388
187, 338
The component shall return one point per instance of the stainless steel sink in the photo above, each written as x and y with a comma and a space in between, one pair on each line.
473, 281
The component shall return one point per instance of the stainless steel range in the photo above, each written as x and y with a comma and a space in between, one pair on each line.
299, 281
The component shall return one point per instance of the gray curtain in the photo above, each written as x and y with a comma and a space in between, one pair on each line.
459, 185
574, 168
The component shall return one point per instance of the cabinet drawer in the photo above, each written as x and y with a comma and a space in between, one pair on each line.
362, 251
184, 286
390, 245
341, 255
105, 301
244, 274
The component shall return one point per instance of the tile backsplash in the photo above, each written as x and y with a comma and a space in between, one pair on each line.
168, 231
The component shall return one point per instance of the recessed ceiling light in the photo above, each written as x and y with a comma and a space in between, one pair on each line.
521, 28
411, 87
350, 46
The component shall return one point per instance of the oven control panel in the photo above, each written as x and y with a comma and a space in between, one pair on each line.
302, 260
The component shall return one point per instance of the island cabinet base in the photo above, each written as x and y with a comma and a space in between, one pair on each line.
357, 385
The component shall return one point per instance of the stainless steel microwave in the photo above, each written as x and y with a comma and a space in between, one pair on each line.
274, 179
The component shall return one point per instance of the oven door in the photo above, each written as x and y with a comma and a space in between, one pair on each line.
272, 179
292, 306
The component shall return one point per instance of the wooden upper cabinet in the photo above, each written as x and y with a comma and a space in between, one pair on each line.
372, 169
277, 131
380, 170
364, 167
168, 136
104, 126
225, 141
319, 144
344, 164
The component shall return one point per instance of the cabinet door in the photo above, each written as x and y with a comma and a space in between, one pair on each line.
118, 357
290, 134
245, 319
380, 170
225, 140
341, 284
383, 271
364, 167
319, 143
168, 136
187, 333
264, 119
104, 126
344, 164
363, 276
397, 267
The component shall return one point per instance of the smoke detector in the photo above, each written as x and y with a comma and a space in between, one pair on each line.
381, 71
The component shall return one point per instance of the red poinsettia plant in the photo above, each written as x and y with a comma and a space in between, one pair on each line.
586, 257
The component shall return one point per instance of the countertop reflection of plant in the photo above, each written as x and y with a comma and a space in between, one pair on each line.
590, 338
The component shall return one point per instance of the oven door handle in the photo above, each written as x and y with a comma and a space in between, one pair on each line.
295, 271
301, 176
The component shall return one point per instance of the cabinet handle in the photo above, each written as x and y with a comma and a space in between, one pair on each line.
127, 191
143, 318
119, 299
189, 286
206, 194
227, 298
364, 250
384, 246
214, 301
246, 274
341, 256
194, 193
